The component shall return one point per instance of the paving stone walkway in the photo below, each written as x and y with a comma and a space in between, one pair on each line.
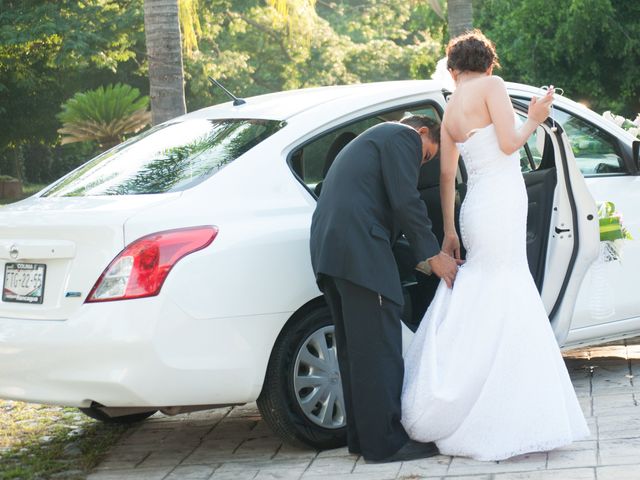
235, 444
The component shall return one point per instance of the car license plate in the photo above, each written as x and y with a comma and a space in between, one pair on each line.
24, 282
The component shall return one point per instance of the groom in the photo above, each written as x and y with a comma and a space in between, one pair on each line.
369, 198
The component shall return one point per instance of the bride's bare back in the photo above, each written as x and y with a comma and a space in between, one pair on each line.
481, 99
467, 110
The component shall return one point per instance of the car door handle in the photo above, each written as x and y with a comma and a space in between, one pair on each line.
562, 230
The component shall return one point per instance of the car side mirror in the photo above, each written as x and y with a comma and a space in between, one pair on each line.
635, 148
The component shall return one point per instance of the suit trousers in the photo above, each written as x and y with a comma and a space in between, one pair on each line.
369, 346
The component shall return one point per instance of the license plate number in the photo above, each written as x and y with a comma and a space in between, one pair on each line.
24, 282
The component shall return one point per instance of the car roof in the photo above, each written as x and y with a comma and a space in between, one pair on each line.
282, 106
287, 104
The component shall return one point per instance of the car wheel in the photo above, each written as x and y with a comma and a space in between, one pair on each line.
98, 414
301, 399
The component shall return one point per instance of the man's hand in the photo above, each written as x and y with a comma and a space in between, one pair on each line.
445, 267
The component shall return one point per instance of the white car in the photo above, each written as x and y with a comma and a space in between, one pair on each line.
172, 272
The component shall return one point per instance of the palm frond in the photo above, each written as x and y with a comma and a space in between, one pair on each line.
190, 25
105, 115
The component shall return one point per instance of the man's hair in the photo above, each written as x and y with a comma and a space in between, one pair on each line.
418, 121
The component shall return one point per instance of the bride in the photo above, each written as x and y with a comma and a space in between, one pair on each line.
484, 377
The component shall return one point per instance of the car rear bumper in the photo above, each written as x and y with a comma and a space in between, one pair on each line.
145, 352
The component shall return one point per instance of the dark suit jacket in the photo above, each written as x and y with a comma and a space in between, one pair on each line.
369, 197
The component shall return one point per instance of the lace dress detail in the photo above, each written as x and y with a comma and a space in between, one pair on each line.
484, 377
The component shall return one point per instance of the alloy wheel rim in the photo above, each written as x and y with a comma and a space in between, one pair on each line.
317, 382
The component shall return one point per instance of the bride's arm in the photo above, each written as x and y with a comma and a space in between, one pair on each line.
500, 109
448, 170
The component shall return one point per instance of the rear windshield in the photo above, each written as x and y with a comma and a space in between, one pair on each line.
167, 158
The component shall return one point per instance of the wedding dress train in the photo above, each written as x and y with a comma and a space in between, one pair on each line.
484, 377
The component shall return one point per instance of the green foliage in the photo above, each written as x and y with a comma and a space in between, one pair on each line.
104, 115
40, 162
190, 25
254, 47
51, 49
591, 48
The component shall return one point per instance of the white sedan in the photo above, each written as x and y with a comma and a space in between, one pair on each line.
172, 272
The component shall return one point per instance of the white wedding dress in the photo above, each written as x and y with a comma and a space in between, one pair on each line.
484, 377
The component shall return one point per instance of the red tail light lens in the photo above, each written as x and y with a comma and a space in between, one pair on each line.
142, 267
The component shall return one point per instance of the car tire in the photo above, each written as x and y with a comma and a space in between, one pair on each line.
98, 414
285, 405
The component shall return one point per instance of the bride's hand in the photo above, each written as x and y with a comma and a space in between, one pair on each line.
539, 107
451, 245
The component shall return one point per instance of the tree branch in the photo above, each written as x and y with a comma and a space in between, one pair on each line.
272, 33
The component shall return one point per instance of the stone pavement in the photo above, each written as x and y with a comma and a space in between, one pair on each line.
235, 444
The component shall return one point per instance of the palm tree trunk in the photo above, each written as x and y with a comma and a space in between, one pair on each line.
164, 50
460, 16
17, 162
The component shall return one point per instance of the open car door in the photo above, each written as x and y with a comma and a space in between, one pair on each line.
562, 225
562, 228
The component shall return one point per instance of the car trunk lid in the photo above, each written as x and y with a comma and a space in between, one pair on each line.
52, 250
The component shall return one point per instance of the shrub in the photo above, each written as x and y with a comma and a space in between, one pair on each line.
105, 115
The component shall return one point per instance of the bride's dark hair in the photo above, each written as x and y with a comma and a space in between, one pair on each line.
471, 52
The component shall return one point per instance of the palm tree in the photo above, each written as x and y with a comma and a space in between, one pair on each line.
460, 16
164, 51
104, 115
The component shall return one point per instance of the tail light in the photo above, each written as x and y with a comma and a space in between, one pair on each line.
142, 267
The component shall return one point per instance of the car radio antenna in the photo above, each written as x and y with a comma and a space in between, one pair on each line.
236, 101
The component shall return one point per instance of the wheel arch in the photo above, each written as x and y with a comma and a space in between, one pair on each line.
313, 304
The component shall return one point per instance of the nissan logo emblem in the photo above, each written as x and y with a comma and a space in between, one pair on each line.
14, 252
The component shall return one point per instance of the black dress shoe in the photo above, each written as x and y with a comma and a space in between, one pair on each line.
411, 450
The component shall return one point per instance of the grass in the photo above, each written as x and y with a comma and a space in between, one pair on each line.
28, 189
40, 441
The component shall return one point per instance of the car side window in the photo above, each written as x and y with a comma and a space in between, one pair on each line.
312, 161
531, 152
596, 151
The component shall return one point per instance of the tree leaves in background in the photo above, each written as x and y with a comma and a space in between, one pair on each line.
190, 25
249, 46
51, 49
591, 48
